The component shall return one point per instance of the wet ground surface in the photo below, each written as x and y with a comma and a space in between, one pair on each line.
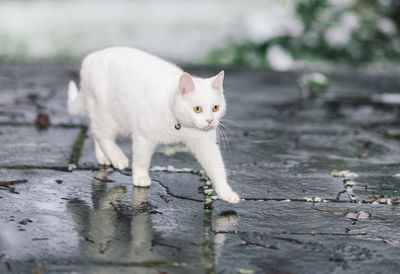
295, 217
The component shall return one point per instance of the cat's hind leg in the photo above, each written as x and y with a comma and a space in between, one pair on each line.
100, 156
114, 153
142, 151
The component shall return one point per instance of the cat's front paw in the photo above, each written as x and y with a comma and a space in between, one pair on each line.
144, 181
229, 197
121, 162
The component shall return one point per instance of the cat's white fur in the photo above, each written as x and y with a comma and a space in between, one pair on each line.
127, 92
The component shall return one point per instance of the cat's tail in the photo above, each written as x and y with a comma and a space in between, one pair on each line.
76, 100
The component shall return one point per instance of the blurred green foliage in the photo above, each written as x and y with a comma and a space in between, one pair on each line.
351, 32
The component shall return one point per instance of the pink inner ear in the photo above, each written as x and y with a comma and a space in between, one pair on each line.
218, 81
186, 83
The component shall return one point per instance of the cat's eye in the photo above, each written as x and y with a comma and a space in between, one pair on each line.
198, 109
215, 108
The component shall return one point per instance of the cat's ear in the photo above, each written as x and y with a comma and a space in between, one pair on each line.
218, 81
186, 83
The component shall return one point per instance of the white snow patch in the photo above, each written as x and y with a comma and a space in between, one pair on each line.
315, 199
208, 191
350, 183
345, 174
171, 169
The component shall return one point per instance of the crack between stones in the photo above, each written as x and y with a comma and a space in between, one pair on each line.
277, 235
113, 264
23, 124
301, 200
174, 195
57, 168
295, 200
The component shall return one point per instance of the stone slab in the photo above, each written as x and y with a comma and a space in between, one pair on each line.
279, 147
307, 254
27, 89
296, 237
285, 217
28, 146
65, 267
104, 220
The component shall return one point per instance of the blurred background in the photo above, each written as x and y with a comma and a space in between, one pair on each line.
277, 34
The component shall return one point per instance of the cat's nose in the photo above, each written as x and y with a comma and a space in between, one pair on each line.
209, 121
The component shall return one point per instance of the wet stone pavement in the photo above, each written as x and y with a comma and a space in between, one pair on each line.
280, 151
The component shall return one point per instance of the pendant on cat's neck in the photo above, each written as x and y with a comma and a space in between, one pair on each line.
178, 126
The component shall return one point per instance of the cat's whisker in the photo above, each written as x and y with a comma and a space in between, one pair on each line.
226, 140
220, 137
232, 123
226, 128
232, 137
223, 136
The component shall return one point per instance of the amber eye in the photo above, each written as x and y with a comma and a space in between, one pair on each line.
198, 109
215, 108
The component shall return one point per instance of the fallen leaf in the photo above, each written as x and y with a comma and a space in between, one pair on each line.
393, 242
363, 215
393, 133
384, 201
38, 270
336, 259
13, 182
42, 120
386, 115
356, 216
245, 271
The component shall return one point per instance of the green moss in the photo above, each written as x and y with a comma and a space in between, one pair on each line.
78, 146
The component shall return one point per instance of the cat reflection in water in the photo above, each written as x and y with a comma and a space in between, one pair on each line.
127, 92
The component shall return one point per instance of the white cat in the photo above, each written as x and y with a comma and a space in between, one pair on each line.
127, 92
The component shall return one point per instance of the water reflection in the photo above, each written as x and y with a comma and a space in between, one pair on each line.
113, 231
225, 222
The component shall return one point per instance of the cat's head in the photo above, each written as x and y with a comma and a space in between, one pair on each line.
200, 103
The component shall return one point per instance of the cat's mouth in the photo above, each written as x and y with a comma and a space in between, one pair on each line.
206, 128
